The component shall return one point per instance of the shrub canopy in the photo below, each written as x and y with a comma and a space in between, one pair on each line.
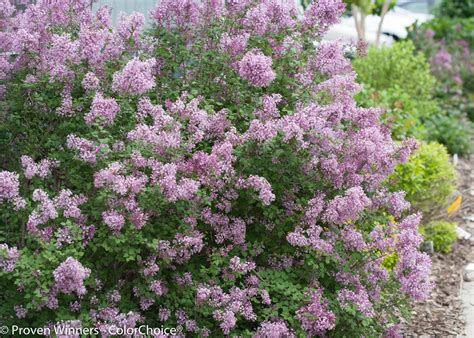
214, 173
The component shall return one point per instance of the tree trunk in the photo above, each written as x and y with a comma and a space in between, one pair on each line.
354, 11
385, 7
359, 19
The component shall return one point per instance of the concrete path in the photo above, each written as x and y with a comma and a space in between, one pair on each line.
467, 287
467, 296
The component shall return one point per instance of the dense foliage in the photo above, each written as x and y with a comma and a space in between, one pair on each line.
398, 80
456, 8
396, 66
453, 131
448, 43
442, 233
446, 29
428, 179
214, 173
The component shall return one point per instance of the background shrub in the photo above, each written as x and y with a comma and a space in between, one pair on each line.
446, 29
407, 100
397, 66
456, 8
448, 43
442, 233
402, 112
399, 80
451, 132
428, 178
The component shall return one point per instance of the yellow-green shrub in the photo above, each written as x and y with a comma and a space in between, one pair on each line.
399, 65
398, 79
442, 233
428, 178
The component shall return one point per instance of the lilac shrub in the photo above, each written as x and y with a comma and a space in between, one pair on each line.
213, 172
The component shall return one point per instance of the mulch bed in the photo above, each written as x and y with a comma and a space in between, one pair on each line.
441, 315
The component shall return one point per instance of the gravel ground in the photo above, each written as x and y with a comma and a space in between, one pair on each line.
442, 314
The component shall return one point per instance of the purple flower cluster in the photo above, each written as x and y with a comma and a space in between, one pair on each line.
226, 228
90, 82
48, 209
443, 59
353, 239
186, 279
451, 60
130, 27
273, 328
176, 13
66, 108
112, 178
88, 150
41, 169
330, 59
182, 248
322, 14
270, 16
136, 78
228, 305
9, 185
158, 288
315, 317
56, 55
429, 33
6, 8
238, 266
59, 58
10, 189
413, 268
346, 208
45, 211
261, 185
110, 318
234, 45
256, 68
20, 311
394, 331
114, 220
102, 109
359, 298
269, 107
397, 203
69, 277
8, 257
70, 203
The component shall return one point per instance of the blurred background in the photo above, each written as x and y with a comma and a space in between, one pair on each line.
127, 6
401, 14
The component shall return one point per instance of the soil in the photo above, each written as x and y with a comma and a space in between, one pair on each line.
441, 315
